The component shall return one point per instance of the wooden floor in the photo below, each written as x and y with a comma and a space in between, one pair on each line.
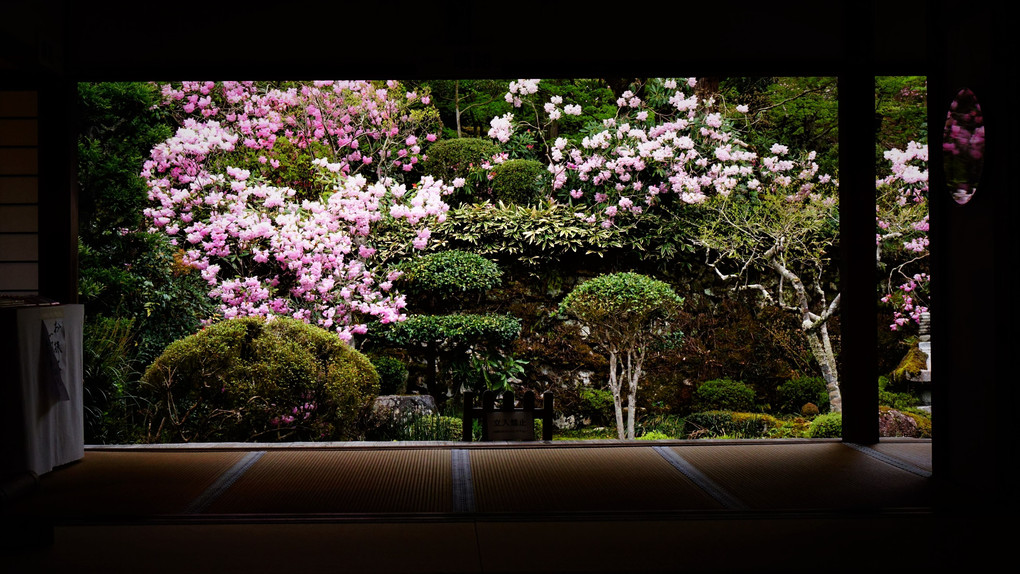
606, 506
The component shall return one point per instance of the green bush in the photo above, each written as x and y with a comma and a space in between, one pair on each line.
433, 427
793, 394
654, 435
392, 374
443, 277
449, 159
107, 376
252, 379
595, 404
711, 424
827, 426
670, 425
455, 330
896, 400
724, 395
520, 181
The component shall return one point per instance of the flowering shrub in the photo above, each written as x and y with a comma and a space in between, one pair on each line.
667, 148
902, 232
274, 194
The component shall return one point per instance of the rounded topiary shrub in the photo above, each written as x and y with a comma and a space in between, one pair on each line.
827, 426
444, 278
724, 395
253, 379
520, 181
454, 158
793, 394
449, 159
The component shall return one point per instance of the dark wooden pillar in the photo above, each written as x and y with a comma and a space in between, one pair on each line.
859, 340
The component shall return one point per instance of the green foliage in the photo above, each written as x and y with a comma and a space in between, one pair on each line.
595, 404
519, 181
724, 423
530, 235
901, 112
118, 124
392, 374
251, 379
453, 158
895, 400
446, 275
724, 394
827, 426
625, 302
434, 427
108, 375
484, 371
654, 435
793, 394
138, 276
455, 330
672, 426
802, 113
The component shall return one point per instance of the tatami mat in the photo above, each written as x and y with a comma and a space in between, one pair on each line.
825, 476
916, 453
128, 483
664, 506
341, 481
581, 479
458, 481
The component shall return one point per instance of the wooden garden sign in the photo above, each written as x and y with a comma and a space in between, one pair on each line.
506, 422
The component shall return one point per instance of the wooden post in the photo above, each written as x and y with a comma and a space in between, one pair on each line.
547, 415
467, 423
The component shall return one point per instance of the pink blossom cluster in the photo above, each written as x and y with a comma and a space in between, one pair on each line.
689, 153
297, 414
363, 126
266, 249
902, 225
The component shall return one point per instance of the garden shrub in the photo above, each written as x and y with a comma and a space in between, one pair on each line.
392, 374
253, 379
711, 424
794, 394
895, 400
724, 395
827, 426
654, 435
809, 410
443, 277
670, 425
595, 404
433, 427
107, 375
454, 158
520, 181
455, 330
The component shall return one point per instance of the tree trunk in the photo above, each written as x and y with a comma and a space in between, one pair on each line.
614, 387
821, 349
456, 104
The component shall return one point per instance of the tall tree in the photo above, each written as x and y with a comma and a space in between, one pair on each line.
625, 314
